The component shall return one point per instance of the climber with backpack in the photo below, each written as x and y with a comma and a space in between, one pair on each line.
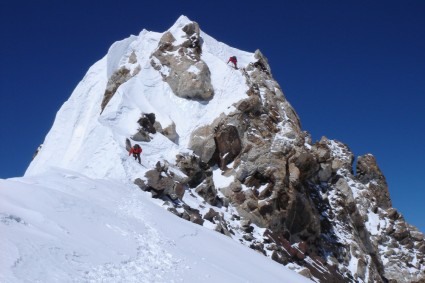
136, 150
234, 61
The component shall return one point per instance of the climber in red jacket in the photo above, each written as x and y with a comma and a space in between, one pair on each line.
136, 150
234, 61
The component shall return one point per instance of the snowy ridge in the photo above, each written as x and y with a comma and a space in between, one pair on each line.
77, 229
253, 175
85, 221
95, 145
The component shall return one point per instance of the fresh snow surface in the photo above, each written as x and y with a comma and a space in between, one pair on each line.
91, 143
61, 226
76, 215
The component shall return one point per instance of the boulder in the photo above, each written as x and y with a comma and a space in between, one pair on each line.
202, 142
181, 65
228, 144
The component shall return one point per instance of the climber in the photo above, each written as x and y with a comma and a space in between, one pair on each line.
234, 61
136, 150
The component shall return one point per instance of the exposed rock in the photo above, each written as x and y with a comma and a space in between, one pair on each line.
315, 213
202, 143
367, 171
210, 215
141, 184
228, 144
194, 168
162, 183
120, 76
170, 133
207, 190
181, 65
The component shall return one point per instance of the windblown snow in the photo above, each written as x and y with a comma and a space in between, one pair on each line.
61, 226
77, 217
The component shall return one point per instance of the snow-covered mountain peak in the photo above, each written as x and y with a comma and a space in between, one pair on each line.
223, 148
94, 144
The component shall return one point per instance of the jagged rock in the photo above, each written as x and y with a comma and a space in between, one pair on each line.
141, 184
248, 237
400, 234
368, 170
235, 186
325, 172
228, 144
132, 59
258, 247
321, 151
185, 72
208, 191
202, 142
192, 215
174, 211
294, 173
245, 223
194, 168
251, 104
179, 189
422, 248
147, 122
171, 133
348, 199
120, 76
210, 215
163, 183
393, 213
417, 236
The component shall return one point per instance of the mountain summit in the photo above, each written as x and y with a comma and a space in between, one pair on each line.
224, 149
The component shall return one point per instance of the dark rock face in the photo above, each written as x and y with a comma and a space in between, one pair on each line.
312, 210
367, 171
228, 144
163, 183
149, 125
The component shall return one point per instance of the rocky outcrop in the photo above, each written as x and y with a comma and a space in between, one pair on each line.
163, 183
179, 62
120, 76
149, 125
298, 202
369, 173
202, 142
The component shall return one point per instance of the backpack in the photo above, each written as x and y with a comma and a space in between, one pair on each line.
234, 58
136, 146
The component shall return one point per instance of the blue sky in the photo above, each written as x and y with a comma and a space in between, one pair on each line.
353, 70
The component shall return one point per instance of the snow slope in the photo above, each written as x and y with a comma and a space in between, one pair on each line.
76, 215
61, 226
82, 140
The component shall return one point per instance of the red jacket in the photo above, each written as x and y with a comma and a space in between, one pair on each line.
135, 150
233, 60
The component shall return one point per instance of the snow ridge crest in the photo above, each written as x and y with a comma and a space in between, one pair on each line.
223, 148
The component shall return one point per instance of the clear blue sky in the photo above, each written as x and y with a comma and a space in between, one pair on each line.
353, 70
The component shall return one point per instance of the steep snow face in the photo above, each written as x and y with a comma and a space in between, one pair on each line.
64, 227
90, 141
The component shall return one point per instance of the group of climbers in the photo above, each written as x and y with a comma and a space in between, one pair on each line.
136, 150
